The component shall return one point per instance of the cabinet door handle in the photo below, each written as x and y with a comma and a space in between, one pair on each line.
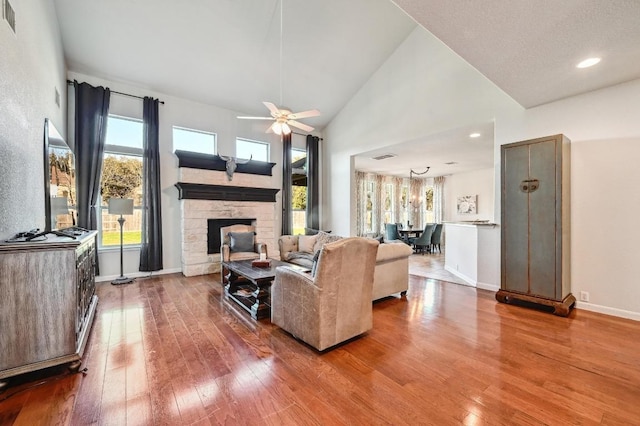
529, 185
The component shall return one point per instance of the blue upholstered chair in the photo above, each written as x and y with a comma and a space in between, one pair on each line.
436, 238
424, 240
391, 232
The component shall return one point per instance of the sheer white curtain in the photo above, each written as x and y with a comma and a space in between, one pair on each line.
361, 203
438, 199
383, 187
415, 210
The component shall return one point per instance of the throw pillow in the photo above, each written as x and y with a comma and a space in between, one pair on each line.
324, 238
241, 241
315, 263
306, 243
311, 231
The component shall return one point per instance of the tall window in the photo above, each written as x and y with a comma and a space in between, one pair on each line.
256, 150
194, 140
369, 193
299, 190
389, 214
428, 204
404, 204
121, 178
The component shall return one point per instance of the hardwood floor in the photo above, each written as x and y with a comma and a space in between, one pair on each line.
169, 350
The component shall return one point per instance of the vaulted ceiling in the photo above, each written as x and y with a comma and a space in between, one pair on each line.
227, 52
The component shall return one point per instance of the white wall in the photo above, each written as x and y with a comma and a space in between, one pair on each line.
31, 69
477, 182
424, 88
421, 90
605, 132
184, 113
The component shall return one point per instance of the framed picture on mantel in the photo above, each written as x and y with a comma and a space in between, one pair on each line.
467, 204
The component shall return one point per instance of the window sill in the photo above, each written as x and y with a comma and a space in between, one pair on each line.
109, 249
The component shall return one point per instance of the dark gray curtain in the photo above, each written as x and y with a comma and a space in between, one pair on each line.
287, 181
313, 197
151, 248
92, 110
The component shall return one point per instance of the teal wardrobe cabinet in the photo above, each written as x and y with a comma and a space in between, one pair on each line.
535, 251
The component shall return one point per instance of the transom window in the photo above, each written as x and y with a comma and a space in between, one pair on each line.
194, 140
256, 150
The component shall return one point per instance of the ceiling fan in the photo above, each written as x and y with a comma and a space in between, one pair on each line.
284, 118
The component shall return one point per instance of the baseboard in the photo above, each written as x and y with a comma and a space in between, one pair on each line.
467, 281
608, 311
487, 286
103, 278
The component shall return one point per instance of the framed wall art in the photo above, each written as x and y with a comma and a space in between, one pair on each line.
467, 204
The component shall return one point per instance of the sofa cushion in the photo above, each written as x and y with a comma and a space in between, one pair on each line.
307, 242
300, 258
325, 238
241, 241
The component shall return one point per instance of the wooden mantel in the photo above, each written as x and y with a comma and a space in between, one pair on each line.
198, 191
195, 160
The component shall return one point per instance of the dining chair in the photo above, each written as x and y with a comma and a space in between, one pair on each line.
436, 238
391, 232
424, 240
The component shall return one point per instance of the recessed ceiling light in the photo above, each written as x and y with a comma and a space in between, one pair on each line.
588, 63
474, 135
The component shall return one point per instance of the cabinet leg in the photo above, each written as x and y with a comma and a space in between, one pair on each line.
74, 366
403, 293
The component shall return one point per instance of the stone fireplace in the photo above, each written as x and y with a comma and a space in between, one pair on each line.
208, 194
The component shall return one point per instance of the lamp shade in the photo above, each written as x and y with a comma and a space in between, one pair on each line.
120, 206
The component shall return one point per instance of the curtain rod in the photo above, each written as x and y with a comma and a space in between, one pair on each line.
69, 83
302, 134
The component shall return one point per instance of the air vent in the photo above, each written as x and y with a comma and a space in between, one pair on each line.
9, 15
451, 163
384, 156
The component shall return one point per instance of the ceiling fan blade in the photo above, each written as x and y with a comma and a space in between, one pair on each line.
272, 108
299, 125
305, 114
254, 118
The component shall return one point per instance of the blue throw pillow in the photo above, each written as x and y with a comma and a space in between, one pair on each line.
241, 241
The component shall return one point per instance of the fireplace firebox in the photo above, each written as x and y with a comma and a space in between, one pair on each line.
213, 231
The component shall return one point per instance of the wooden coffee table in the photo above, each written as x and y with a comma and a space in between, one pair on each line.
250, 287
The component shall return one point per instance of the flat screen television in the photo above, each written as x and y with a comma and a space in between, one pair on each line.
59, 180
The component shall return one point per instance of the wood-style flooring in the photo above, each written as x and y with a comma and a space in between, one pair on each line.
170, 350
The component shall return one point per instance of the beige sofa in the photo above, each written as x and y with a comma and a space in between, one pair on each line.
391, 274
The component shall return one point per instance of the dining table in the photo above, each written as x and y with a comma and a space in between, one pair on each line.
412, 232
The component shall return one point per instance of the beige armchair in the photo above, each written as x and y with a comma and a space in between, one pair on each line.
333, 305
239, 248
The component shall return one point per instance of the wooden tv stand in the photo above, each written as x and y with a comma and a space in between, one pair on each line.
47, 302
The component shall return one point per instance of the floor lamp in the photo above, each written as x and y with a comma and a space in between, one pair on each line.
121, 206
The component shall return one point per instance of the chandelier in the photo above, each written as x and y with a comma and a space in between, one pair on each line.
415, 202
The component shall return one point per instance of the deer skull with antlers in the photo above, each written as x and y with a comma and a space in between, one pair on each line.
232, 164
